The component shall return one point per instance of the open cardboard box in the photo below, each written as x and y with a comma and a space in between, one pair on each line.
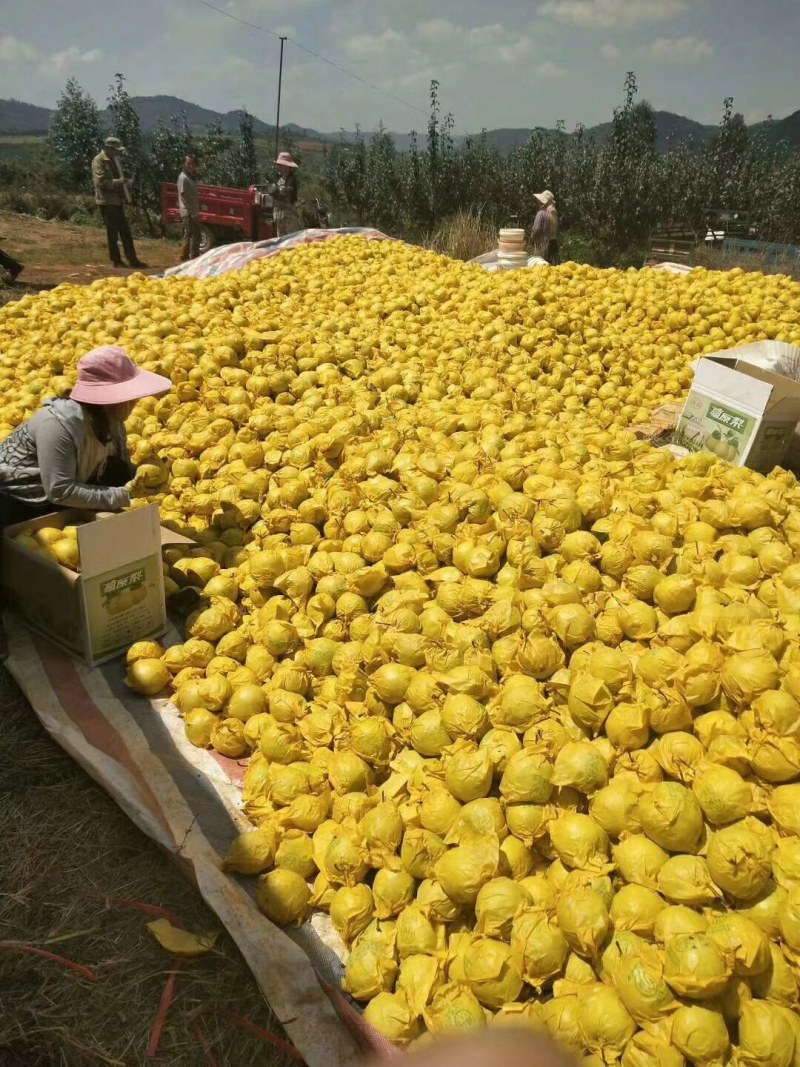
117, 598
741, 408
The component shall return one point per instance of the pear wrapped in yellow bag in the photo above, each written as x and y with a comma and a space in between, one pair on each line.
437, 573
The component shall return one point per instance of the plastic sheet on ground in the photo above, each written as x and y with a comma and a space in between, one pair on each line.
489, 261
188, 801
673, 268
226, 258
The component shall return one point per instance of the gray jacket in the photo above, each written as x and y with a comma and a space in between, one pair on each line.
39, 461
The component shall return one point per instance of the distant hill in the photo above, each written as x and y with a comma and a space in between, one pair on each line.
16, 117
671, 129
776, 130
19, 117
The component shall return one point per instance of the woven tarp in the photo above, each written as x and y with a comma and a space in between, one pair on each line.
233, 257
188, 801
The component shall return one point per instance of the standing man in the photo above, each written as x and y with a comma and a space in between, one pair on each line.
189, 205
284, 195
111, 194
544, 235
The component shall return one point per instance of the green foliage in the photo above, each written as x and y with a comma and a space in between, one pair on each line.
125, 125
246, 151
75, 136
169, 146
612, 195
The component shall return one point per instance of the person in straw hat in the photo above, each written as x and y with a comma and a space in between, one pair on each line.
284, 195
111, 195
544, 235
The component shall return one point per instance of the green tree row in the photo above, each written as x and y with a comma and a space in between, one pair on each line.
77, 132
614, 194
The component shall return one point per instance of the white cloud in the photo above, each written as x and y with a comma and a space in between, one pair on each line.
14, 50
436, 30
483, 35
607, 13
445, 30
66, 61
677, 50
377, 44
610, 51
489, 42
550, 70
514, 53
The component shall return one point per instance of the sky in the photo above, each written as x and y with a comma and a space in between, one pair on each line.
509, 63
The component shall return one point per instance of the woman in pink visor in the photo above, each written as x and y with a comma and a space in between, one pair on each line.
73, 452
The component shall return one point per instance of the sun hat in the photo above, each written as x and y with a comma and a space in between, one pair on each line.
285, 160
114, 142
107, 376
545, 198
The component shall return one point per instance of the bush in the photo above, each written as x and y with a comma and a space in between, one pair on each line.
578, 248
19, 202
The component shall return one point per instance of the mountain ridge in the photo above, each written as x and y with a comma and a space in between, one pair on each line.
19, 117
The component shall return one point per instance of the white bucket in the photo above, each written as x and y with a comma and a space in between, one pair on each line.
512, 235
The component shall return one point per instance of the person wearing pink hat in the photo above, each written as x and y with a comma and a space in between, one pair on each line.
73, 452
284, 195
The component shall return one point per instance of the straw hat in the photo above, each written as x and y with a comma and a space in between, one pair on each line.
285, 160
546, 198
107, 376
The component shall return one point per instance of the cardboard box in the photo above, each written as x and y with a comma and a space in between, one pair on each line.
118, 597
740, 410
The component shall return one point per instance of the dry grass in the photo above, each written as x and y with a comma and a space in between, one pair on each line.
65, 848
463, 236
728, 259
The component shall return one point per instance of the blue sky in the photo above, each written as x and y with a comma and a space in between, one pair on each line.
506, 63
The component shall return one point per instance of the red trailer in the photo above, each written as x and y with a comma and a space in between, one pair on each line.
225, 214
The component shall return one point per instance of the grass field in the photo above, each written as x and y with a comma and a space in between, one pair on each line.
21, 138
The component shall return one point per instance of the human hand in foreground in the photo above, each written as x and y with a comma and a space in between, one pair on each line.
496, 1047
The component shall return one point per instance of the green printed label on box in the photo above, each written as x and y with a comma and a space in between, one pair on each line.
123, 605
731, 420
708, 426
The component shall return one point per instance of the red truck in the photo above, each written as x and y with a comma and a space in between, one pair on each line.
225, 214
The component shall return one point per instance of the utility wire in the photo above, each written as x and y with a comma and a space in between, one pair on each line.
316, 55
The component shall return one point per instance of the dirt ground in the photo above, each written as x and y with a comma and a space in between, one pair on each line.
67, 854
55, 252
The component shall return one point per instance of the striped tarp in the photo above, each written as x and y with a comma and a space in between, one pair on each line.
226, 258
188, 801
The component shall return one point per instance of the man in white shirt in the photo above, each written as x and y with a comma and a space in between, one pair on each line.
189, 206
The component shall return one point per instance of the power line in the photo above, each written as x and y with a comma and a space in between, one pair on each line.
316, 55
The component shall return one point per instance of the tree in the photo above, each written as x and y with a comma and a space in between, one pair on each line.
75, 135
247, 162
169, 147
125, 124
219, 158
